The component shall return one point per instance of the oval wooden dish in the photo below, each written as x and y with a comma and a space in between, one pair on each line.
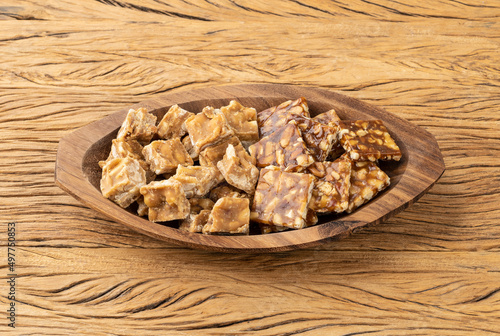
78, 173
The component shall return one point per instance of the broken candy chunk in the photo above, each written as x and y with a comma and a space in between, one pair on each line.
243, 121
196, 180
207, 128
238, 170
166, 200
368, 140
367, 180
121, 180
273, 118
331, 188
195, 222
164, 156
138, 125
282, 198
229, 215
172, 123
284, 148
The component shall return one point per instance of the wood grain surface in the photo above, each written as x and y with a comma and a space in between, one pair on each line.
434, 269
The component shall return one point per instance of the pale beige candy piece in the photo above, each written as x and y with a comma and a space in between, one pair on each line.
199, 204
142, 208
328, 118
367, 180
166, 200
172, 124
238, 170
243, 121
186, 141
207, 128
138, 125
196, 180
122, 179
282, 198
163, 156
229, 215
195, 222
225, 190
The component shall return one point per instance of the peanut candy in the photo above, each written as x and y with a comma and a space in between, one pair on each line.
172, 123
196, 180
195, 222
211, 155
273, 118
186, 141
166, 200
225, 190
229, 215
238, 170
319, 138
331, 188
121, 180
207, 128
282, 198
368, 140
328, 118
138, 125
243, 121
163, 156
284, 148
367, 180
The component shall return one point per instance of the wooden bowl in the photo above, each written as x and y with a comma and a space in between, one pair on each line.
78, 173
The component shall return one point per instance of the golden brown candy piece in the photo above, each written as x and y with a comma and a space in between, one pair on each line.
121, 180
282, 198
208, 128
195, 222
138, 125
229, 215
331, 188
163, 156
319, 138
284, 148
166, 200
196, 180
328, 118
243, 121
211, 155
238, 169
275, 117
368, 140
367, 180
225, 190
172, 123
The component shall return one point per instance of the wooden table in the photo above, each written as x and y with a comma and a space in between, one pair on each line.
432, 270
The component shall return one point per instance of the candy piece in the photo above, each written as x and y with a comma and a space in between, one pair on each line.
238, 170
284, 148
243, 121
367, 180
196, 180
121, 180
225, 190
229, 215
331, 188
208, 128
172, 123
186, 141
368, 140
275, 117
163, 156
328, 118
282, 198
195, 222
138, 125
166, 200
211, 155
319, 138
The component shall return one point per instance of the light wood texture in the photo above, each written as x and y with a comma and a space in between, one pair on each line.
430, 270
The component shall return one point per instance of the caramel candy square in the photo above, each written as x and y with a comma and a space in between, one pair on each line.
195, 222
172, 124
331, 188
368, 140
122, 179
282, 198
284, 148
229, 215
166, 200
138, 125
243, 121
367, 180
196, 180
275, 117
328, 118
225, 190
207, 128
163, 156
238, 170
